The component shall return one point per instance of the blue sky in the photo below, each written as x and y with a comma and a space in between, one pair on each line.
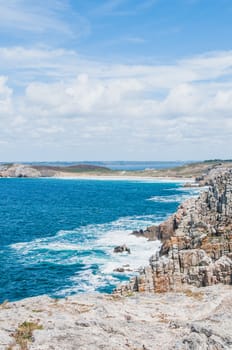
132, 30
115, 79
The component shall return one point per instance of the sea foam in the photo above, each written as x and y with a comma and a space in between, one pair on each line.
97, 249
83, 259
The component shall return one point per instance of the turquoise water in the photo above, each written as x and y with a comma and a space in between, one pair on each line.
57, 235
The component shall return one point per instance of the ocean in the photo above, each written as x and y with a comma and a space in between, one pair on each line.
58, 235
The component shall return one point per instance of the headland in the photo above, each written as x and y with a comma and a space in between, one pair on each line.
188, 172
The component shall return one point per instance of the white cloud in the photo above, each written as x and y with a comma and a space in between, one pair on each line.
43, 63
177, 111
41, 18
223, 101
82, 95
5, 97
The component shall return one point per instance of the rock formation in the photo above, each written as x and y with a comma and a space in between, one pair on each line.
197, 319
40, 170
121, 249
196, 251
197, 242
19, 170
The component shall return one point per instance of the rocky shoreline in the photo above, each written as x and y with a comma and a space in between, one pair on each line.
197, 243
188, 172
193, 268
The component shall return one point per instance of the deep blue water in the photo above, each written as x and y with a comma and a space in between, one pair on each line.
57, 235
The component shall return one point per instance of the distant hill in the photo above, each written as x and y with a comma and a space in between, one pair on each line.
191, 170
79, 168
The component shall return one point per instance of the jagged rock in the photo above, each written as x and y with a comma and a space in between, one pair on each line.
121, 249
119, 269
197, 242
123, 269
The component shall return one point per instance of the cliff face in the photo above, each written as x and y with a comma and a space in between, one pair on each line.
197, 243
18, 170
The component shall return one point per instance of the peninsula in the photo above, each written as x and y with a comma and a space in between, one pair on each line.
198, 171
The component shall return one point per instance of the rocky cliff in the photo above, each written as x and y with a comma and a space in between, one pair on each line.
196, 251
197, 243
18, 170
33, 170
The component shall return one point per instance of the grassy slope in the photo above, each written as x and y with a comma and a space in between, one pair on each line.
188, 170
80, 168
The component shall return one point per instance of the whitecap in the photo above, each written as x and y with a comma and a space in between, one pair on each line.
178, 197
97, 249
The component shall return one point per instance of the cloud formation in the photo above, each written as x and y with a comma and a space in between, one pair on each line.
45, 19
88, 109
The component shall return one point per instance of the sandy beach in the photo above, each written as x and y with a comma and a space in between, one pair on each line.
71, 176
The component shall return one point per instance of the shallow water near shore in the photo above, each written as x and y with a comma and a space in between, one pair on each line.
58, 236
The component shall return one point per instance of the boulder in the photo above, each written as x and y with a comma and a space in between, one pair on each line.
121, 249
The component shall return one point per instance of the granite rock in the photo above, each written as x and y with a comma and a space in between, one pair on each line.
193, 319
197, 242
19, 170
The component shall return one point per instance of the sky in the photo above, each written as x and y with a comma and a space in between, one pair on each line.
115, 80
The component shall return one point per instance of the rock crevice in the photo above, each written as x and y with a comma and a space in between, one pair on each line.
197, 243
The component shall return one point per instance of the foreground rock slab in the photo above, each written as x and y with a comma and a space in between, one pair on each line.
194, 319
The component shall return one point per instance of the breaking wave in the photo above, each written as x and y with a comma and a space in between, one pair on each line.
92, 248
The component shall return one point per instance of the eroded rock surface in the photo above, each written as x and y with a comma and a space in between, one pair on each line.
195, 319
19, 170
196, 252
197, 242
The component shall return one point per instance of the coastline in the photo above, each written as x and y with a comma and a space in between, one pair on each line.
68, 176
185, 173
196, 243
188, 315
100, 230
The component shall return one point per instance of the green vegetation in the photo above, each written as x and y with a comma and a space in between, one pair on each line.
79, 168
194, 294
37, 310
23, 335
190, 170
217, 160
